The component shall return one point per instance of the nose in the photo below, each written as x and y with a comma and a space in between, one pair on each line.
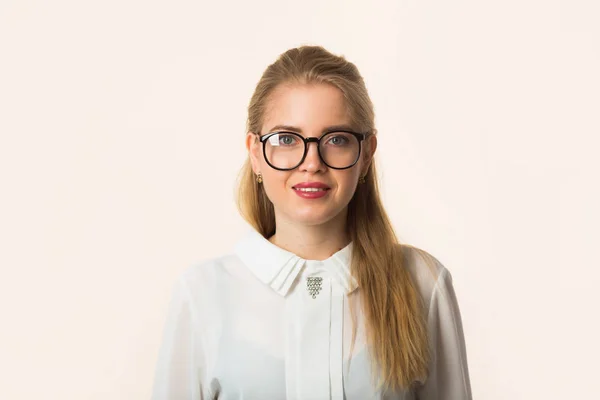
312, 162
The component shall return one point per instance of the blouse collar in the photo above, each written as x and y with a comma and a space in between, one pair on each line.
279, 268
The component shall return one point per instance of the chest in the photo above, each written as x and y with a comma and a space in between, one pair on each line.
297, 347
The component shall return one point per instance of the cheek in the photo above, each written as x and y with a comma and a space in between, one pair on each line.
346, 185
274, 183
348, 191
349, 179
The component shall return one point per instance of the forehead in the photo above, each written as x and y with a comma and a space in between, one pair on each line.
309, 107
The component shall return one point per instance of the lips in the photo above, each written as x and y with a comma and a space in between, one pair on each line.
311, 190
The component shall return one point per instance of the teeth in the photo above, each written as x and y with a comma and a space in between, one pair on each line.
310, 189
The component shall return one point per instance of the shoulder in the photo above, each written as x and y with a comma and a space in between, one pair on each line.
427, 272
207, 273
205, 284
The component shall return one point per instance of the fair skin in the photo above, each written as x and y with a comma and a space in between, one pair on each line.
314, 229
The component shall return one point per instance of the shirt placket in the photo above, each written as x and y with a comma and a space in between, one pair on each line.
314, 336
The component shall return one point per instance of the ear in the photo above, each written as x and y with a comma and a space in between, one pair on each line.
369, 150
253, 146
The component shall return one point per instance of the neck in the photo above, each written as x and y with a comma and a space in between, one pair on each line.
311, 242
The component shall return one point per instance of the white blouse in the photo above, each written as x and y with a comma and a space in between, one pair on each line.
263, 323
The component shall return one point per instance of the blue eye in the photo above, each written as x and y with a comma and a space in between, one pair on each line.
338, 140
287, 140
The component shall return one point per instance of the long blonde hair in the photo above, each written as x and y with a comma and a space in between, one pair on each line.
395, 318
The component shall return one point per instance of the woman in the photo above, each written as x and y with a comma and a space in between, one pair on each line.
318, 300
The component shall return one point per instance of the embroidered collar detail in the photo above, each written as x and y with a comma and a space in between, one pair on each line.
280, 268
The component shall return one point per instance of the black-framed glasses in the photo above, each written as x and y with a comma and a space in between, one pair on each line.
338, 149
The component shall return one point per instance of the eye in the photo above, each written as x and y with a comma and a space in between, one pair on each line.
287, 140
338, 140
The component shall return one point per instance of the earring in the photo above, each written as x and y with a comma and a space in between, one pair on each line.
361, 179
259, 178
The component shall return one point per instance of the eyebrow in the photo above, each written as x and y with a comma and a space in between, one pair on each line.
343, 127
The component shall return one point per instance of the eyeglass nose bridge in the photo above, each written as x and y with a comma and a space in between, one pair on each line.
307, 141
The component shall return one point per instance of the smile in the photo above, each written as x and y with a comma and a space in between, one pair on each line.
310, 189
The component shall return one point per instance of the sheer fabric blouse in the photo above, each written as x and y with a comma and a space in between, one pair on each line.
263, 323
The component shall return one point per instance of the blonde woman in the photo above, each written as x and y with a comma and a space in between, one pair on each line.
318, 300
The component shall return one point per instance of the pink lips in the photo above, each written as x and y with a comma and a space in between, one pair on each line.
311, 194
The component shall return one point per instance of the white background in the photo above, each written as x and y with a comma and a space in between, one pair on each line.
122, 132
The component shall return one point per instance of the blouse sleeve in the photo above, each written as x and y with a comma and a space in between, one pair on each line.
449, 373
178, 370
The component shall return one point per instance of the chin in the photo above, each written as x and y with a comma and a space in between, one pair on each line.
311, 216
